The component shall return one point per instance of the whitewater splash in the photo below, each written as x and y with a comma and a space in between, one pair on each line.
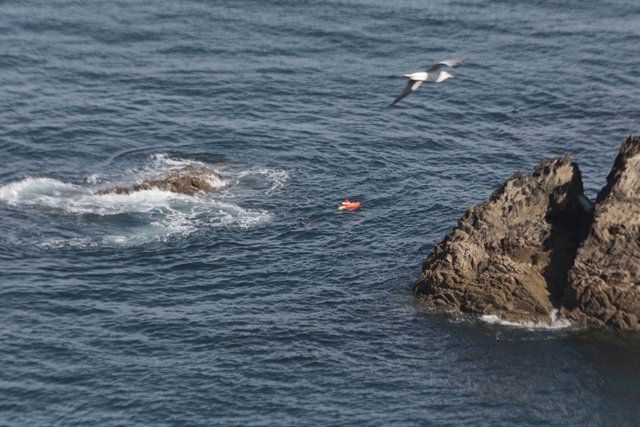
138, 217
554, 322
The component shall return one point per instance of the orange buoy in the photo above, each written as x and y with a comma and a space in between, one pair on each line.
349, 205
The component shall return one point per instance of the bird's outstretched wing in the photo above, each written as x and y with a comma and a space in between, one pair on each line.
446, 63
411, 86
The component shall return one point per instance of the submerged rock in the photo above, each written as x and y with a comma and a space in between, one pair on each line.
189, 180
509, 256
605, 278
516, 256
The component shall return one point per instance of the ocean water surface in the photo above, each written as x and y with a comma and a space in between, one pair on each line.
261, 303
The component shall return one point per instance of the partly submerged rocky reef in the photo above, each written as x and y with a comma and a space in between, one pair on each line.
188, 180
538, 245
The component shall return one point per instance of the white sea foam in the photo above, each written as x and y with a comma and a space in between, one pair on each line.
73, 199
136, 218
93, 179
275, 178
38, 191
229, 215
162, 160
554, 322
216, 182
139, 201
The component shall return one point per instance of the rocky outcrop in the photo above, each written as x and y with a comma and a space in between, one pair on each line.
189, 180
539, 245
509, 256
605, 278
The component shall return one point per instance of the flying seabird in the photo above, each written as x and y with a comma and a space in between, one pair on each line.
434, 74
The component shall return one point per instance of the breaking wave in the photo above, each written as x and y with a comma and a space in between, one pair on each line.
138, 217
554, 322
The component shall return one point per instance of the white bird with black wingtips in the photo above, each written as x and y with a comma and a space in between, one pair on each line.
434, 74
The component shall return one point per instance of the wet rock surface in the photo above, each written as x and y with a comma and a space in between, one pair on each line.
189, 180
538, 245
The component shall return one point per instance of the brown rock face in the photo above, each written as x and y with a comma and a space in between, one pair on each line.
189, 180
509, 256
605, 278
516, 256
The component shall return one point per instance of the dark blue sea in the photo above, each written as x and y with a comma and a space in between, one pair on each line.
261, 304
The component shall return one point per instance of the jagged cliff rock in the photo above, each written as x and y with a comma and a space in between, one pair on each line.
189, 180
509, 256
538, 244
605, 278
